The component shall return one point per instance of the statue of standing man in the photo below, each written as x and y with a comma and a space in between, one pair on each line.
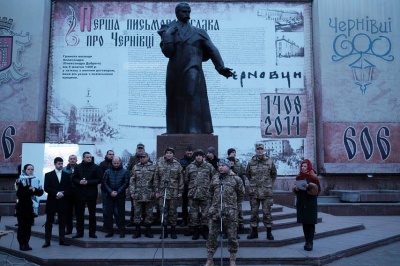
186, 46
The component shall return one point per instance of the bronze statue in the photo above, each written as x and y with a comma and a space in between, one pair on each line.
186, 46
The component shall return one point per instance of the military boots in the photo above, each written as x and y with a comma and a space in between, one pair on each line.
269, 234
148, 233
253, 234
137, 233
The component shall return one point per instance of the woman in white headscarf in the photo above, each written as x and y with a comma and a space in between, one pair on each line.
24, 209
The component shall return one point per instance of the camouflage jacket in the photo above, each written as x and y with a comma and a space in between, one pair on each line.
198, 178
233, 194
261, 174
141, 185
170, 171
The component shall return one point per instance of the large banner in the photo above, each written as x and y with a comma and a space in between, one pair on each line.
24, 46
108, 74
357, 73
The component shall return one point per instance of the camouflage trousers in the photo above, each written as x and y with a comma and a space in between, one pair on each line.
240, 214
230, 225
171, 210
266, 210
139, 207
198, 212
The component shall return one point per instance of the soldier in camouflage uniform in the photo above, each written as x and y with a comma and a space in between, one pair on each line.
142, 192
232, 195
261, 172
239, 170
169, 174
133, 160
198, 175
185, 161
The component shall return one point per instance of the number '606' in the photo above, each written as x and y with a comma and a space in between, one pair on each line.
366, 142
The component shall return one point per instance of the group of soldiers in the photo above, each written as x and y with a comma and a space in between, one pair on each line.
212, 189
196, 183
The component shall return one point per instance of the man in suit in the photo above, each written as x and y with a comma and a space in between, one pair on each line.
58, 187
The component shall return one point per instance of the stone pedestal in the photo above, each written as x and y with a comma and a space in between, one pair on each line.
180, 141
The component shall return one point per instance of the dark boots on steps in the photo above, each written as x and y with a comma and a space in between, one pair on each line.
253, 234
148, 233
269, 234
137, 232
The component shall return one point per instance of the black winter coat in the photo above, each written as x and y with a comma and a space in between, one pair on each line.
103, 167
90, 172
24, 207
307, 208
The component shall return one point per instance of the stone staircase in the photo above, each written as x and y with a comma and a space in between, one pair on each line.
335, 237
350, 202
361, 202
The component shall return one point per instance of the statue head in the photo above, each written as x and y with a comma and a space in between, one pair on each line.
182, 12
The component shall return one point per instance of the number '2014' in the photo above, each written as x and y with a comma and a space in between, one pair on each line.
279, 127
366, 142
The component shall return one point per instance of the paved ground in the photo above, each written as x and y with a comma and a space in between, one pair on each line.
6, 259
380, 256
388, 255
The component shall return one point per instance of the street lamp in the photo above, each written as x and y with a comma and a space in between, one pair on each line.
362, 73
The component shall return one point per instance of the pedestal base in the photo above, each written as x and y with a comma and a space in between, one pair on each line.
180, 141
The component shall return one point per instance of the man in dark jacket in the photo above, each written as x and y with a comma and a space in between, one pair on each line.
115, 182
103, 167
212, 158
58, 187
85, 179
72, 162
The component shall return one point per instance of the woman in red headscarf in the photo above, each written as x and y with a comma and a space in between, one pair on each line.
307, 188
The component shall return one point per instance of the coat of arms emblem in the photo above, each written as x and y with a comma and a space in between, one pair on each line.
11, 45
